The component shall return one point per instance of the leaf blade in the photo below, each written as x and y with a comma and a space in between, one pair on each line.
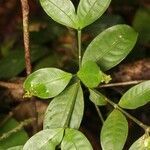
90, 74
62, 11
74, 139
111, 46
137, 96
15, 148
47, 82
86, 11
97, 98
45, 139
143, 143
72, 105
114, 131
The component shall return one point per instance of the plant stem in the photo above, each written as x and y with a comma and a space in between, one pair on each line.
121, 84
99, 114
25, 14
16, 129
79, 47
145, 127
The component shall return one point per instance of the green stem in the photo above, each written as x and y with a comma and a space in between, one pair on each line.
79, 47
145, 127
99, 114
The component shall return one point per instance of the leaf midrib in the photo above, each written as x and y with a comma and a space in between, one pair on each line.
138, 95
67, 122
50, 138
52, 81
63, 12
105, 52
90, 10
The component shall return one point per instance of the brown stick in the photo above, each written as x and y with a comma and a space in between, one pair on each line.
25, 13
11, 85
121, 84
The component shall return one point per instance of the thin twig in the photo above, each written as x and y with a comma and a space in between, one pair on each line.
25, 13
99, 114
16, 129
11, 85
121, 84
6, 119
142, 125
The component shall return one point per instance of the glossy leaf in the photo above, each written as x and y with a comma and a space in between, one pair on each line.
75, 140
15, 139
46, 83
111, 46
66, 109
45, 140
16, 148
90, 10
143, 143
62, 11
97, 98
90, 74
114, 131
137, 96
14, 63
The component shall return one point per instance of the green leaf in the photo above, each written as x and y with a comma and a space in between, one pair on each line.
143, 143
114, 131
15, 139
90, 74
137, 96
16, 148
75, 140
45, 140
97, 98
62, 11
14, 63
46, 83
90, 10
66, 110
111, 46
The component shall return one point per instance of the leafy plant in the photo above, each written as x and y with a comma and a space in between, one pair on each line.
65, 112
